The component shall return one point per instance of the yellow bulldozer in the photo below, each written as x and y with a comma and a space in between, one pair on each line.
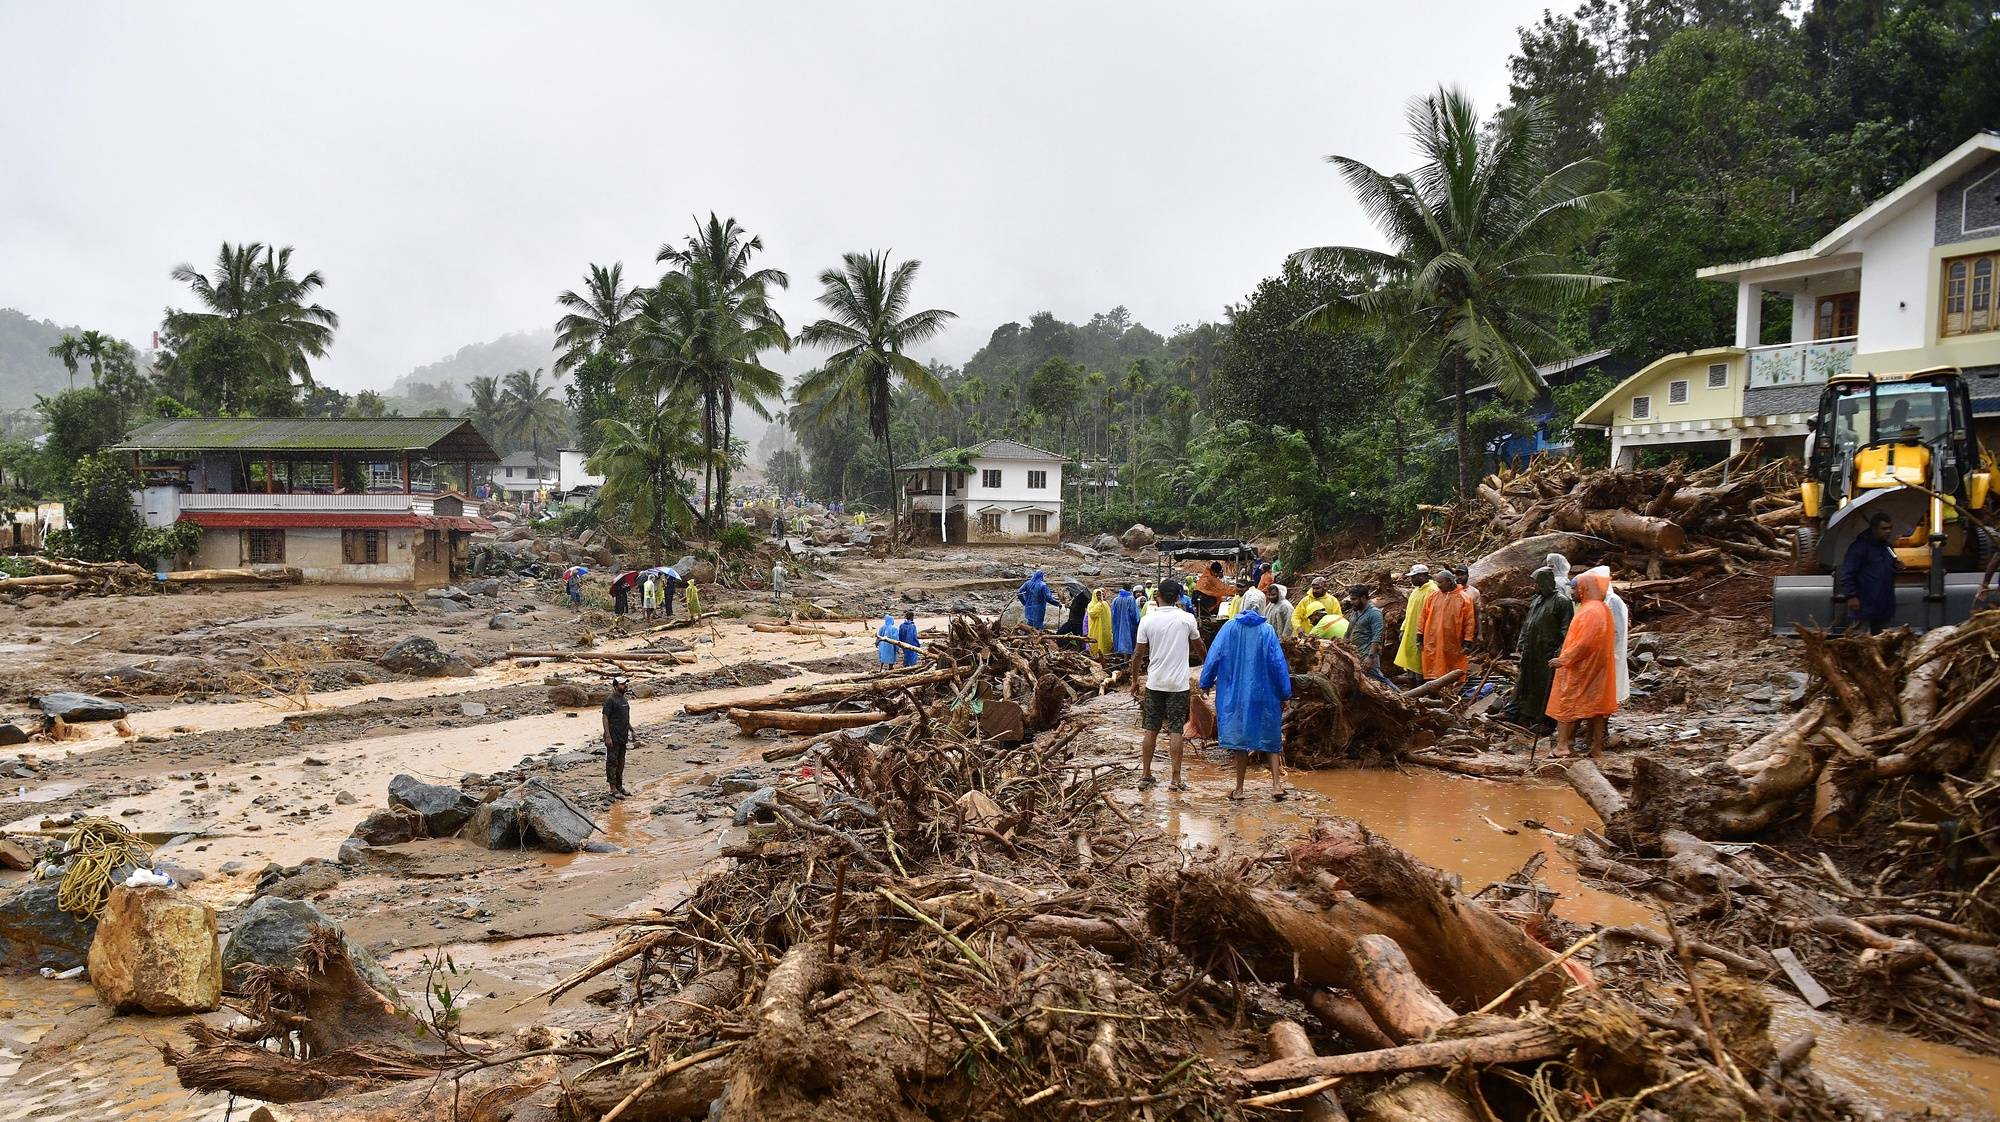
1902, 445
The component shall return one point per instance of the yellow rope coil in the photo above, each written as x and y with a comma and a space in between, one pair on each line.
94, 850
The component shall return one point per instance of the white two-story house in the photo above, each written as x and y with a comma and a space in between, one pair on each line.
997, 491
1907, 284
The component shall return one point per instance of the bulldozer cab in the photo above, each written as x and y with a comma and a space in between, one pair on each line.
1901, 445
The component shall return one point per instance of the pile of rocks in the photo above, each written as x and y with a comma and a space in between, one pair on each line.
530, 815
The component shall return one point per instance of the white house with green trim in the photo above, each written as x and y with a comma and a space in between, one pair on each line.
995, 492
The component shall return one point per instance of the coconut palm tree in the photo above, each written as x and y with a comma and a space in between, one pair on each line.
69, 350
735, 324
488, 406
598, 319
252, 287
642, 462
98, 346
530, 412
869, 330
1480, 242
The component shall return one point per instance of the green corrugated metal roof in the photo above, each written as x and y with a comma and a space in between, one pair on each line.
274, 434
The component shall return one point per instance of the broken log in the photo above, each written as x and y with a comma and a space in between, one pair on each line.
1596, 790
827, 695
1657, 534
753, 720
605, 656
1349, 1018
1392, 993
488, 1094
1287, 1040
1533, 1042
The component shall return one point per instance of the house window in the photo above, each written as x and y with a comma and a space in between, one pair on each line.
1038, 481
1677, 392
264, 547
1718, 376
989, 477
1968, 295
1037, 523
989, 523
1642, 407
364, 547
1835, 316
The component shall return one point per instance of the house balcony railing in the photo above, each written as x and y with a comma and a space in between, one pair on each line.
257, 500
1800, 364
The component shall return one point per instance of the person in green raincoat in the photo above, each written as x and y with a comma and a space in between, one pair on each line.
1542, 636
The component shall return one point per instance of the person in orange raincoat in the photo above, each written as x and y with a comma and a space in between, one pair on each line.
1448, 625
1210, 590
1586, 683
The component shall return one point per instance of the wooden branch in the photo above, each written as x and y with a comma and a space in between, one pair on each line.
1534, 1042
752, 720
827, 695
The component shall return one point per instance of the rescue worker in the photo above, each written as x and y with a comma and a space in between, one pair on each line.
1868, 576
885, 642
1409, 653
1210, 590
1280, 613
1098, 623
1542, 635
1585, 689
1323, 624
1035, 597
1364, 630
1079, 609
907, 635
1316, 597
1124, 621
1246, 668
1448, 625
616, 716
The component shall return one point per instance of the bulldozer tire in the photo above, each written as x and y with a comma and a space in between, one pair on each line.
1805, 551
1983, 547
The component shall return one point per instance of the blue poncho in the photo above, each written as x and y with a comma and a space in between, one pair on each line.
1036, 596
1246, 668
907, 635
1124, 622
884, 652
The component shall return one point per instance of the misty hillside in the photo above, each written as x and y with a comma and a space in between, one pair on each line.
26, 368
530, 350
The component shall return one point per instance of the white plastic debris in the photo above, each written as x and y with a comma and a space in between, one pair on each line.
62, 975
147, 878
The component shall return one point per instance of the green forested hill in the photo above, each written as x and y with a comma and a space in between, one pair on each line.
26, 368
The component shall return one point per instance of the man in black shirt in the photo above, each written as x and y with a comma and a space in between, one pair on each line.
617, 713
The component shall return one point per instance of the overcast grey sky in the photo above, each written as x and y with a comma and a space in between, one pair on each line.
450, 167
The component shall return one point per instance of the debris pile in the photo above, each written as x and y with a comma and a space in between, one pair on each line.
1874, 810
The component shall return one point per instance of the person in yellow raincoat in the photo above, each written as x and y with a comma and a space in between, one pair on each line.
1316, 597
1097, 622
1410, 654
693, 601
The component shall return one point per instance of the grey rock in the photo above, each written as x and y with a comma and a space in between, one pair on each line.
80, 707
304, 883
489, 586
1079, 549
352, 852
752, 807
443, 809
599, 847
739, 781
11, 733
1138, 537
451, 607
344, 798
504, 621
181, 873
272, 930
472, 709
1105, 543
389, 827
34, 932
553, 824
496, 825
416, 655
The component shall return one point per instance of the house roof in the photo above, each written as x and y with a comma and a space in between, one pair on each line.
1976, 148
331, 519
984, 450
524, 459
451, 438
1561, 366
1589, 417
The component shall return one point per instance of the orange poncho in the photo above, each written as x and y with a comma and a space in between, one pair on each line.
1586, 684
1210, 585
1448, 624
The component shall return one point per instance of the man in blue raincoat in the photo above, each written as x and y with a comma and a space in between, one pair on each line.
1036, 596
885, 642
1246, 668
907, 635
1124, 621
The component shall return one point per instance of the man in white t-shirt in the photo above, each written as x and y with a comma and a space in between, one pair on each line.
1167, 638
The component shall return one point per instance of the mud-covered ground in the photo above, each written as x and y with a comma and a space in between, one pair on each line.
248, 779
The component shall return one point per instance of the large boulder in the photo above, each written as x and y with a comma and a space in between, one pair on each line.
548, 821
155, 951
34, 932
1079, 549
443, 809
272, 930
1138, 537
392, 826
12, 733
74, 707
1105, 543
416, 655
496, 824
1508, 573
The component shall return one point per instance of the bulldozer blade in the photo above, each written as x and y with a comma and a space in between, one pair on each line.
1810, 602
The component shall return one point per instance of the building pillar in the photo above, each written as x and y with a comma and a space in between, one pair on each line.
1749, 314
268, 471
406, 473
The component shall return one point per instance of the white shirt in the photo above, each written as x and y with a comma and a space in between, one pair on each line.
1167, 633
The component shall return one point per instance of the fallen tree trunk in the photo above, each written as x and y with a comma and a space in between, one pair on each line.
753, 720
828, 695
605, 656
1534, 1042
1657, 534
235, 576
1287, 1040
491, 1094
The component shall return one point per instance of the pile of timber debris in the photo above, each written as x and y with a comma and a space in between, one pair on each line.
1873, 822
1341, 716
